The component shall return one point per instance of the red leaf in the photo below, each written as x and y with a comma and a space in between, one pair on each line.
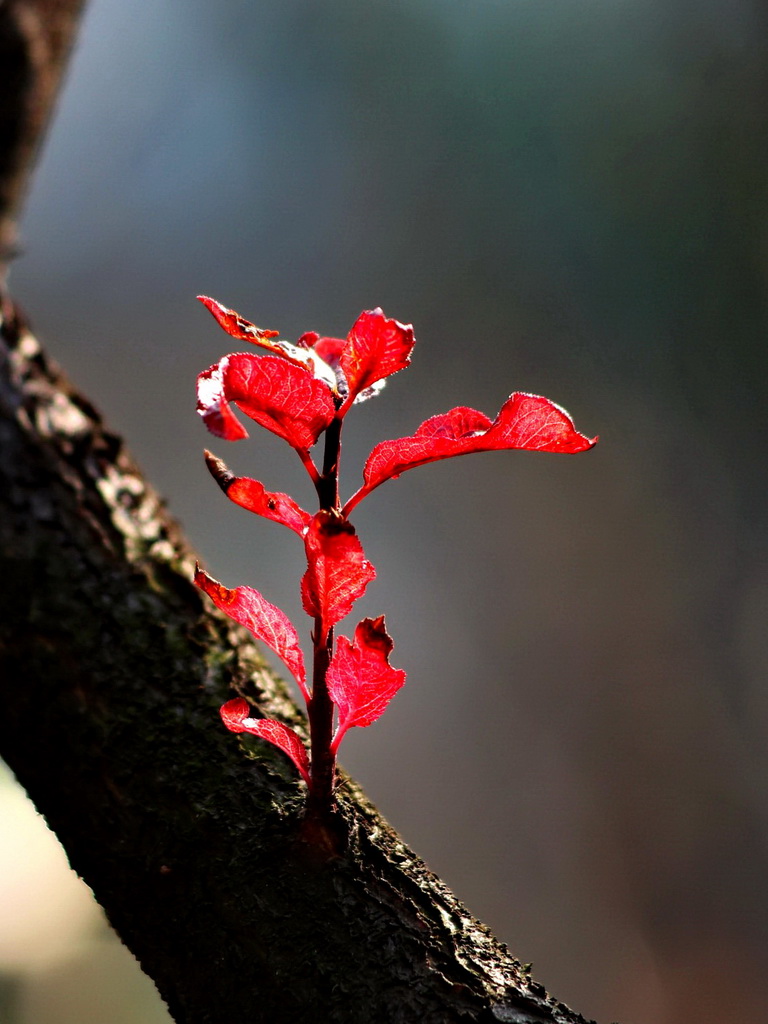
267, 623
236, 715
528, 422
212, 404
361, 681
251, 494
326, 353
275, 393
375, 348
301, 354
337, 571
237, 326
329, 349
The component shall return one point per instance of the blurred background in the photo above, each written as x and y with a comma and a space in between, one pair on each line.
567, 198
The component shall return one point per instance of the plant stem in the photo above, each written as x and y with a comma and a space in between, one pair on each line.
328, 484
358, 496
320, 711
310, 467
320, 706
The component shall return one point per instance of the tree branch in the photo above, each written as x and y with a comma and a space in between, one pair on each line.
112, 673
35, 39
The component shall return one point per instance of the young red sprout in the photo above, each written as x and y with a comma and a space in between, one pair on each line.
301, 391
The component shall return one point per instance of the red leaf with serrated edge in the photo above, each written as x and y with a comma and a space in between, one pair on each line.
267, 623
527, 422
237, 326
301, 354
360, 680
337, 570
213, 406
250, 494
236, 715
275, 393
375, 348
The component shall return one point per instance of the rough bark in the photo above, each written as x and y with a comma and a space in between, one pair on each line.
35, 40
111, 673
